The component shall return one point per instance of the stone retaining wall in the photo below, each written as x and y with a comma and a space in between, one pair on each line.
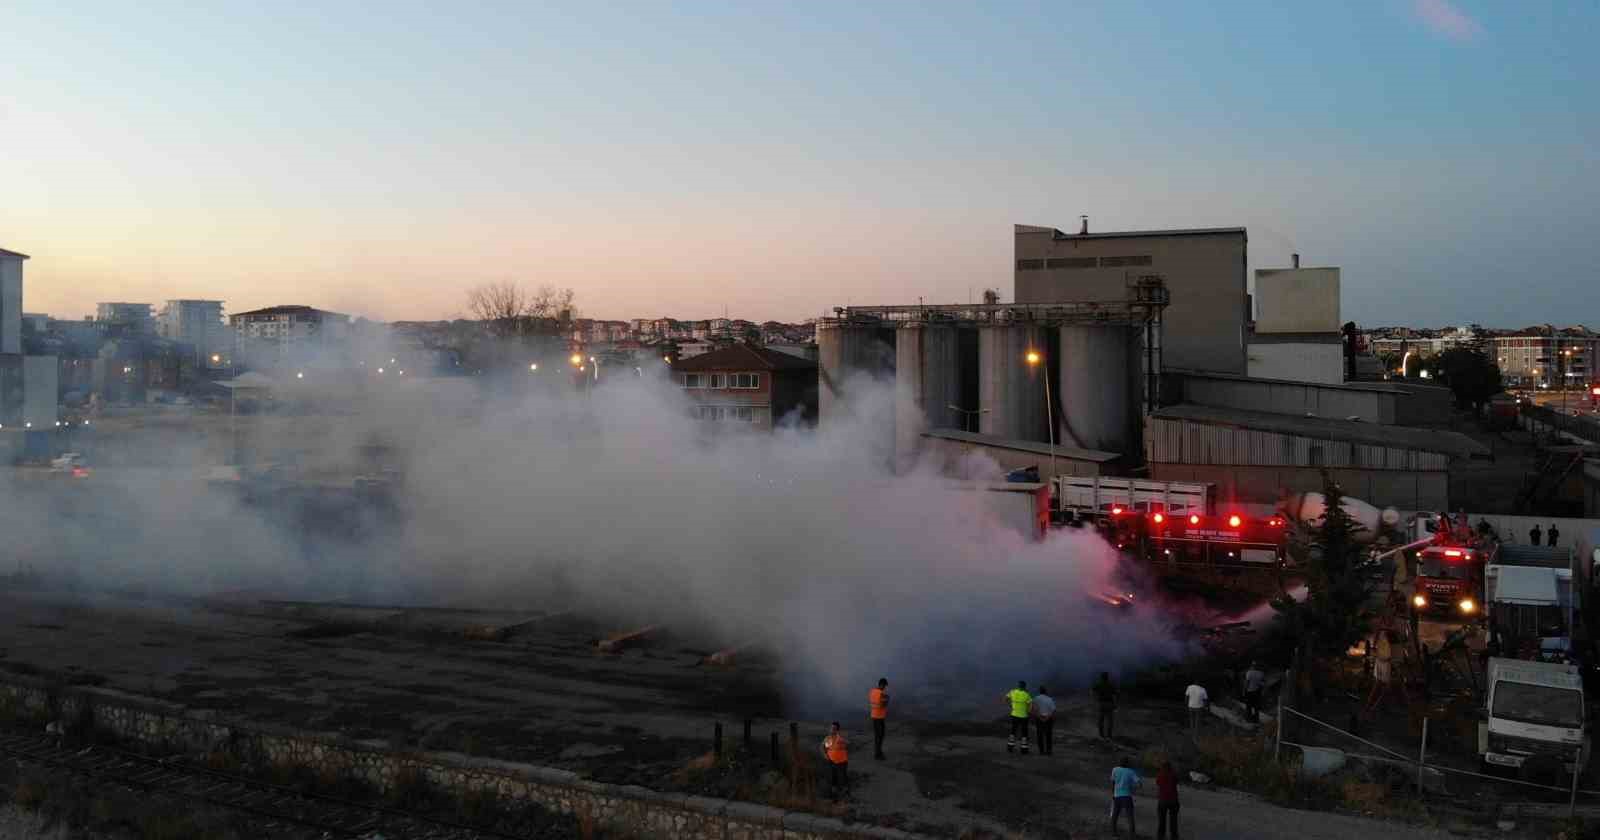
624, 808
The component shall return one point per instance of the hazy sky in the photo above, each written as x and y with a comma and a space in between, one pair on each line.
776, 160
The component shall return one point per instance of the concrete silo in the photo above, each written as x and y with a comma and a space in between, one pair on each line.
851, 358
928, 380
1011, 391
1098, 389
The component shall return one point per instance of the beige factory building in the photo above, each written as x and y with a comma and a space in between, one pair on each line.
1204, 271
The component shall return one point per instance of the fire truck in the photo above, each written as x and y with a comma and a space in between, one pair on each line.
1450, 570
1190, 540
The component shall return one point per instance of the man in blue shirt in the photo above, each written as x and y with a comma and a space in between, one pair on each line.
1124, 781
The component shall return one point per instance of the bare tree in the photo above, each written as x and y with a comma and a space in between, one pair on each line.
508, 310
550, 302
500, 305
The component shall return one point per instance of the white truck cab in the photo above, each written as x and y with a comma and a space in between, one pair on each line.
1533, 709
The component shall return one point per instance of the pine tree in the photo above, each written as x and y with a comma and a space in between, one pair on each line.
1334, 614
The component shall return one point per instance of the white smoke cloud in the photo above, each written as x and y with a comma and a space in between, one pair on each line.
616, 503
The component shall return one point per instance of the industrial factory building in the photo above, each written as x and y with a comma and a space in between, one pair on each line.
1256, 439
1137, 353
1255, 457
1296, 333
1072, 374
1203, 268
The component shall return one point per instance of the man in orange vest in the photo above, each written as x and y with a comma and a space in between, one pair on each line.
878, 703
837, 748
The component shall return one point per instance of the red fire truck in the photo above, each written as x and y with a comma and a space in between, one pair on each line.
1189, 539
1450, 570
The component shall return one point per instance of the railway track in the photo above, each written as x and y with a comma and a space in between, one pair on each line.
173, 779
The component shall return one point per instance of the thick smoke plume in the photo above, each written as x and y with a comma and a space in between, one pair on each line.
616, 503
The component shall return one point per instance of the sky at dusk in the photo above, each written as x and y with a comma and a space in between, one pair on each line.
775, 160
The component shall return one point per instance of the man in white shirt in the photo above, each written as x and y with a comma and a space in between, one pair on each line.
1198, 700
1043, 708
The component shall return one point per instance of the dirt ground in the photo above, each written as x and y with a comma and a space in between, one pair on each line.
544, 695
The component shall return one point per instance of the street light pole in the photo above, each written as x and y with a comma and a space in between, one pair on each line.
1034, 360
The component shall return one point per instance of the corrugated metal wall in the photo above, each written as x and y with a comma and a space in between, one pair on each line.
1183, 442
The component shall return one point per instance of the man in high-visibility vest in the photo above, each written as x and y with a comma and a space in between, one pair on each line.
1018, 700
837, 749
878, 705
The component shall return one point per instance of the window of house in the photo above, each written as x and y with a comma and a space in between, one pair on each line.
744, 380
1030, 265
1118, 262
1314, 455
1071, 262
694, 380
717, 381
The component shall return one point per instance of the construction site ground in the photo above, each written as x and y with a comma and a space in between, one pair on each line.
543, 694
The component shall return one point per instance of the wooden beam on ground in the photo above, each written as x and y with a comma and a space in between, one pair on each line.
727, 656
616, 643
502, 632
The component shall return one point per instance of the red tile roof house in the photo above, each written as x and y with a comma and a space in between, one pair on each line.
749, 385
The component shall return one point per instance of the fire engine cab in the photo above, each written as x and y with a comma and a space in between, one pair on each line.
1450, 571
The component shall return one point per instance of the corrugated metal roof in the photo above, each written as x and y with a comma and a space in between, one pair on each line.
1072, 453
1348, 431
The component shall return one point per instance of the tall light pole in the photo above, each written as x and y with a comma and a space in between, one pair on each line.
1035, 359
1566, 371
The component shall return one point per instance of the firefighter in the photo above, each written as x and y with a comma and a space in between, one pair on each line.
1018, 700
878, 705
837, 749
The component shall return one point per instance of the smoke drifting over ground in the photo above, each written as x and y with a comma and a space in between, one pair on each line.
616, 503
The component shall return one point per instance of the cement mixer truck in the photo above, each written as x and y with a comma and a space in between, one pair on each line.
1309, 508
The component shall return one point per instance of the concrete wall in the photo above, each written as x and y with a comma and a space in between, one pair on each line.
1205, 323
627, 809
1310, 362
1297, 300
1266, 485
10, 304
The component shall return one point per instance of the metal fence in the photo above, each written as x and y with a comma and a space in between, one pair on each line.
1420, 761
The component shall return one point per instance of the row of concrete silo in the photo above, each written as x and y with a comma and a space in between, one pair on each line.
976, 377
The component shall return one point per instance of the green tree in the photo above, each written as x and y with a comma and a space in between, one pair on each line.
1334, 614
1472, 376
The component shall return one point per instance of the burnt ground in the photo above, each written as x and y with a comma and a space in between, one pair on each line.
437, 680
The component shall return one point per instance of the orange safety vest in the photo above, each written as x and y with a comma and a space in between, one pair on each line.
879, 703
837, 748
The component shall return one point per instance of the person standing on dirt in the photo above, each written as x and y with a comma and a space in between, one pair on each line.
878, 706
837, 748
1198, 700
1124, 781
1044, 720
1534, 534
1018, 700
1166, 801
1554, 535
1254, 680
1105, 696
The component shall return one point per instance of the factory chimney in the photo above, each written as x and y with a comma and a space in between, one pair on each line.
1296, 258
1084, 228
